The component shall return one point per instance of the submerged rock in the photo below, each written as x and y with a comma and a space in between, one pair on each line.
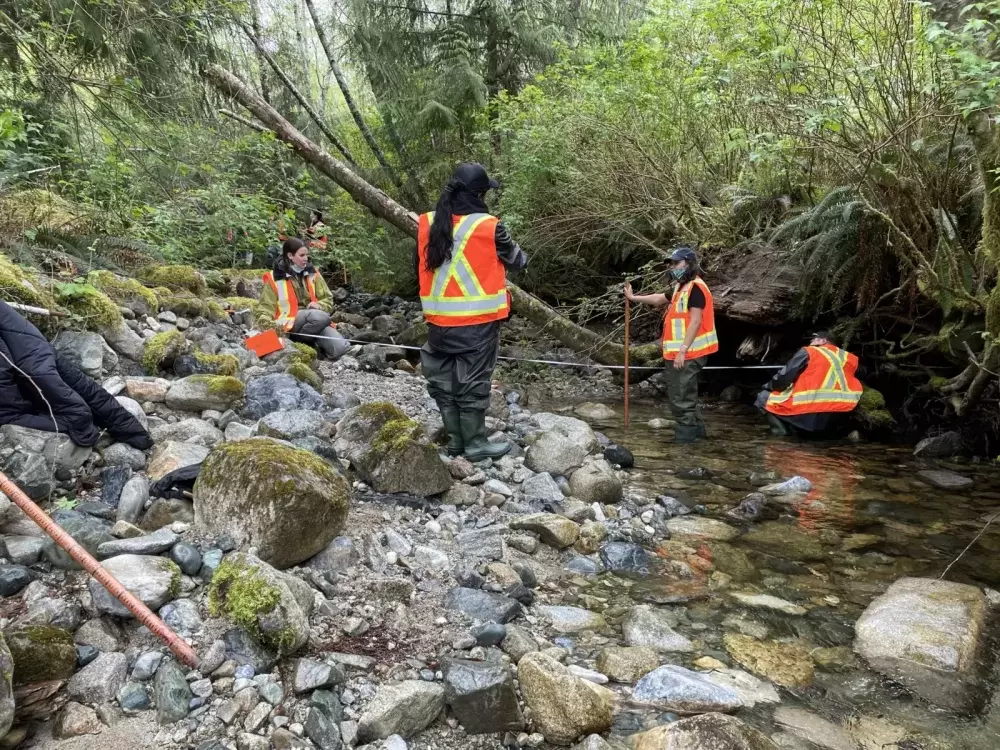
673, 688
945, 480
787, 665
286, 502
928, 635
645, 626
712, 731
699, 528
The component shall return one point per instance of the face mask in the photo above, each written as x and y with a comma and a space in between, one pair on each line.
678, 273
298, 269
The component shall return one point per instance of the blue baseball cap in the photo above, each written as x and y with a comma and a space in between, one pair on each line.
684, 253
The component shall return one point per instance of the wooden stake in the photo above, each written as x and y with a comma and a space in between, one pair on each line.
627, 316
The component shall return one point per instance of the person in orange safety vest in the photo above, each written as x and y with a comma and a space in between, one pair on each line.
461, 260
689, 336
811, 395
296, 299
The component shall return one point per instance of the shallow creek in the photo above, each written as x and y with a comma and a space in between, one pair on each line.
867, 522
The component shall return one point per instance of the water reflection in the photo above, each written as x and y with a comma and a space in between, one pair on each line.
868, 521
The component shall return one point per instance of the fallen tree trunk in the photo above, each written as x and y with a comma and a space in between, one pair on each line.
381, 205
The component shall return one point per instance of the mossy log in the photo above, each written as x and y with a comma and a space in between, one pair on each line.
381, 205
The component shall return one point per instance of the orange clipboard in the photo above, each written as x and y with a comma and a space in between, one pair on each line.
264, 343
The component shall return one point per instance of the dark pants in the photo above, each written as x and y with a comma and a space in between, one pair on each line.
314, 323
816, 426
462, 380
682, 391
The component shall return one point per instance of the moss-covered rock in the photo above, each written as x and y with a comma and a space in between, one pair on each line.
305, 374
299, 352
872, 412
217, 364
161, 350
18, 285
241, 303
272, 607
94, 308
176, 278
391, 451
188, 305
200, 392
288, 503
6, 687
128, 293
40, 653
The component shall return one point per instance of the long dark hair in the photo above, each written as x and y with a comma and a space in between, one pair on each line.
292, 245
441, 239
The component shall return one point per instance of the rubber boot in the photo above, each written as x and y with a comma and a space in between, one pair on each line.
477, 447
452, 419
685, 433
778, 426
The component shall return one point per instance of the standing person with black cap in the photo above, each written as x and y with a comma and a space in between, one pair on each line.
813, 392
461, 260
688, 338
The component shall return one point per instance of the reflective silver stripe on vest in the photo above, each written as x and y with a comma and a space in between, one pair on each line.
466, 278
458, 306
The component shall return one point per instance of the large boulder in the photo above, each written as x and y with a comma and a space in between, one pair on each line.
391, 451
706, 732
271, 393
288, 503
31, 458
563, 706
200, 392
152, 580
271, 606
404, 708
929, 635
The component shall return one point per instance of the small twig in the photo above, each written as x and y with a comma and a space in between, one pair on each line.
969, 545
975, 361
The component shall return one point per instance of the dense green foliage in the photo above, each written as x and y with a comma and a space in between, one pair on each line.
853, 141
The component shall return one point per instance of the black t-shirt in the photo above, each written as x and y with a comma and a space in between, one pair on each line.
695, 299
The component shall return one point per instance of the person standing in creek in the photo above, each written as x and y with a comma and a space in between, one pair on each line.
461, 260
297, 300
814, 392
689, 336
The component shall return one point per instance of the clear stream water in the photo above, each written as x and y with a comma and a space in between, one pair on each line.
872, 520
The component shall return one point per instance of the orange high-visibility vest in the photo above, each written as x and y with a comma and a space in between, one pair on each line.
471, 287
827, 384
675, 324
288, 303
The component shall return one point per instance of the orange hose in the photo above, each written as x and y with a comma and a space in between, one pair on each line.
142, 613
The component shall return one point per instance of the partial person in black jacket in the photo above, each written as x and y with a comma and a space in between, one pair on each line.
36, 384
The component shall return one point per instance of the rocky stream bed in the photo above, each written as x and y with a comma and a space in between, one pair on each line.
347, 586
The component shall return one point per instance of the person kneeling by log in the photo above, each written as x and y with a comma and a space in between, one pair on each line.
462, 254
812, 394
296, 299
42, 390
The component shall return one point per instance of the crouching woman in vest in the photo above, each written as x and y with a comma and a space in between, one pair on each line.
688, 338
814, 392
295, 299
462, 254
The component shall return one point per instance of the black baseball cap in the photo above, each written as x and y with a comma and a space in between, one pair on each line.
473, 177
823, 334
684, 253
